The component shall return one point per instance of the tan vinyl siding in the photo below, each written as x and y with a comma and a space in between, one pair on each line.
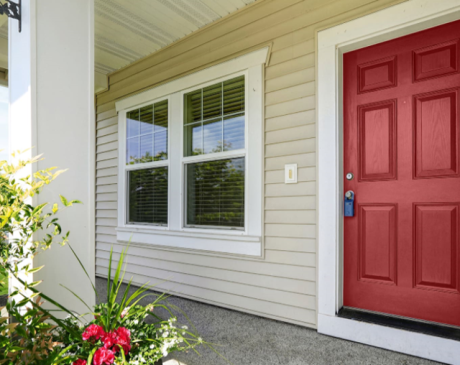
281, 285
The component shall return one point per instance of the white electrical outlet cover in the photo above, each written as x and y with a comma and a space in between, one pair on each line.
290, 174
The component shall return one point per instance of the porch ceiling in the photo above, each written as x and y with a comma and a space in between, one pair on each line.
127, 30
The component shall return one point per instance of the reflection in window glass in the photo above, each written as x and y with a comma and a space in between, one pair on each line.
147, 134
193, 139
234, 132
220, 110
148, 196
212, 136
215, 193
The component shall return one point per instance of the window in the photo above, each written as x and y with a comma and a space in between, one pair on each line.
191, 171
214, 122
147, 177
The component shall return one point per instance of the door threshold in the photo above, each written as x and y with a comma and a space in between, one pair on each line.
427, 328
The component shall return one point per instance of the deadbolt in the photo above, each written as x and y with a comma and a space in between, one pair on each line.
350, 176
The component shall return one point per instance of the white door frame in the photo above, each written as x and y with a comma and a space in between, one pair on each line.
390, 23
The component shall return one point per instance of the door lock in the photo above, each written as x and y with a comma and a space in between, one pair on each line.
350, 176
349, 206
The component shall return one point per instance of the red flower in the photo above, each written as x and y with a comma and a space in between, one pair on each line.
79, 362
109, 339
123, 339
103, 356
93, 332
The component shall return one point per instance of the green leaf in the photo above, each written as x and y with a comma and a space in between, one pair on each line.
64, 201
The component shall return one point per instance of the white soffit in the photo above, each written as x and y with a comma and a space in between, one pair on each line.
127, 30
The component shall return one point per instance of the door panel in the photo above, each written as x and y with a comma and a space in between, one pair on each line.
401, 141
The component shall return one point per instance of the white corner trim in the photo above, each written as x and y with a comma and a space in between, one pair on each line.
390, 23
241, 63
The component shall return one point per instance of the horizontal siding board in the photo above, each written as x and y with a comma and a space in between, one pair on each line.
106, 180
106, 188
106, 139
107, 147
290, 216
107, 155
290, 66
291, 93
112, 171
290, 107
290, 203
106, 163
293, 79
299, 189
229, 287
106, 115
107, 123
291, 258
106, 205
107, 130
292, 52
255, 305
290, 120
269, 282
290, 148
290, 244
226, 263
106, 213
291, 134
108, 197
105, 107
290, 230
105, 230
107, 222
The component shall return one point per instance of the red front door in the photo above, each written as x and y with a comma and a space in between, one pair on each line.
401, 143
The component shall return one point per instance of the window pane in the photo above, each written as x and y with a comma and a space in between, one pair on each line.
205, 107
161, 116
215, 193
161, 146
146, 119
234, 95
192, 107
193, 139
147, 134
146, 149
212, 136
132, 150
132, 123
212, 101
234, 132
148, 196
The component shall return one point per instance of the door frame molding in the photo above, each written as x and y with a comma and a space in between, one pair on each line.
390, 23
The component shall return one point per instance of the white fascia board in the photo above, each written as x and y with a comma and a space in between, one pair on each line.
218, 71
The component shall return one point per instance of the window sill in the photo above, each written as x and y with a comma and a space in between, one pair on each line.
231, 242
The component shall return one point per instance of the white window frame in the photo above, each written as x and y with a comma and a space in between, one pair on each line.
390, 23
124, 168
176, 235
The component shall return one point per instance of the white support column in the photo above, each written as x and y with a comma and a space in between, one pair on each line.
51, 78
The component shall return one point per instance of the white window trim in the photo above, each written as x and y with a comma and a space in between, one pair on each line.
390, 23
175, 235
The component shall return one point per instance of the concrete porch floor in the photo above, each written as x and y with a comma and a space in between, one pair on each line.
246, 339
